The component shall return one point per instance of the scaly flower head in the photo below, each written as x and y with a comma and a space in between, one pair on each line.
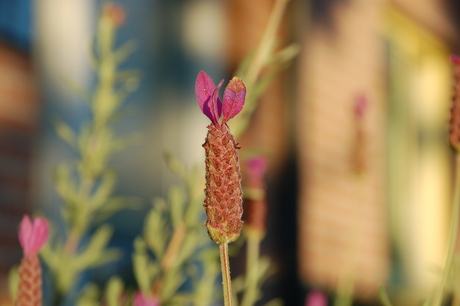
223, 203
33, 235
454, 124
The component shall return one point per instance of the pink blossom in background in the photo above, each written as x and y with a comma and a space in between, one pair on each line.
141, 300
33, 234
257, 167
455, 59
360, 106
316, 298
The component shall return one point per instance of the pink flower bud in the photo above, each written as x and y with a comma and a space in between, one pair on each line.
360, 106
33, 235
141, 300
116, 13
256, 167
316, 298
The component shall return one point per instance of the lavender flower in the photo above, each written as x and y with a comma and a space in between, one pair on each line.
32, 237
223, 202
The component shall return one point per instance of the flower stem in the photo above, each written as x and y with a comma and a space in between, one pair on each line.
252, 270
226, 280
438, 295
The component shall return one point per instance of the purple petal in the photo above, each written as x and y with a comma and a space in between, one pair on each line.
234, 97
25, 231
205, 90
214, 105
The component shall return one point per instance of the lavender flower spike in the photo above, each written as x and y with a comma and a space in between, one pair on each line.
223, 203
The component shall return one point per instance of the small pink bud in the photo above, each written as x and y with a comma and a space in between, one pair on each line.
33, 235
360, 106
316, 298
256, 167
116, 13
141, 300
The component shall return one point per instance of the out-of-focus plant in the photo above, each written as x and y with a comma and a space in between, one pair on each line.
263, 65
173, 252
86, 184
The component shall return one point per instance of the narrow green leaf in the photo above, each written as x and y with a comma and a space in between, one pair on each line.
104, 189
125, 50
64, 131
114, 291
140, 265
13, 282
177, 203
176, 166
90, 296
155, 231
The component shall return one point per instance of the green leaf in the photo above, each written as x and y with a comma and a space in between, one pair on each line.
65, 132
114, 291
104, 189
116, 204
177, 203
90, 296
13, 282
94, 254
275, 302
155, 229
176, 166
172, 280
125, 50
122, 143
144, 271
285, 55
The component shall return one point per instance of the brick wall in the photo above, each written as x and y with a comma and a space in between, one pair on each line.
18, 119
342, 215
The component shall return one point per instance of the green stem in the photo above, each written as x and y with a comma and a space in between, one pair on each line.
226, 280
261, 56
438, 295
266, 44
252, 270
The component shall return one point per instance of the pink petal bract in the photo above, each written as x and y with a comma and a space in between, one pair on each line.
207, 95
33, 235
234, 97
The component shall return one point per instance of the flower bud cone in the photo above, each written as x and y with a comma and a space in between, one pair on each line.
30, 282
454, 124
223, 203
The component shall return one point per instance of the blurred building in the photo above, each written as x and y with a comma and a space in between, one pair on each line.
19, 106
354, 199
386, 224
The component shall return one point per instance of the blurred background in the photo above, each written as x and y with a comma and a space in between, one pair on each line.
365, 194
